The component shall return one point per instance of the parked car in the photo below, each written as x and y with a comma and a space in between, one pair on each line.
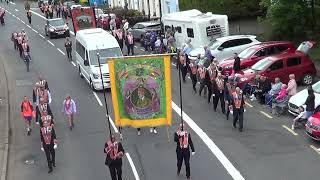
139, 30
282, 65
224, 47
56, 27
255, 53
300, 98
313, 125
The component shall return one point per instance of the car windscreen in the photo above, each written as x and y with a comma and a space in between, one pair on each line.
260, 65
316, 87
247, 53
58, 22
104, 54
155, 26
214, 44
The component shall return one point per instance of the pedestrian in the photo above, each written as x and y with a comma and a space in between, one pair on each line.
193, 74
125, 27
238, 108
114, 153
68, 46
43, 82
58, 10
202, 75
207, 54
49, 143
50, 9
46, 11
27, 113
19, 40
45, 117
236, 64
183, 66
40, 108
310, 102
26, 53
119, 37
229, 88
14, 37
42, 93
184, 143
2, 13
29, 16
212, 73
218, 89
130, 43
69, 108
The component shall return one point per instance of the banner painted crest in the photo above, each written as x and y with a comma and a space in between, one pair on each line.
141, 90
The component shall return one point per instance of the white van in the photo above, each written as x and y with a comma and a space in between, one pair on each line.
201, 28
87, 43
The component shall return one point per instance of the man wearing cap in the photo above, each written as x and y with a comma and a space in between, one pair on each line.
184, 143
238, 108
114, 151
49, 141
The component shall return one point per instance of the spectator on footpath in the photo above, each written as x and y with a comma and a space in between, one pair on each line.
263, 88
310, 102
292, 85
275, 89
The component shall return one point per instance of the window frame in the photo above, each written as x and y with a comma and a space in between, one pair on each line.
190, 29
279, 61
294, 58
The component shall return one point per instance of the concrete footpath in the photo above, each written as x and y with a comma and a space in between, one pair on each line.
4, 120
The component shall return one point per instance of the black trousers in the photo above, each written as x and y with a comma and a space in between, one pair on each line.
115, 171
29, 19
183, 155
15, 44
184, 72
20, 50
69, 53
194, 81
209, 86
228, 110
50, 154
238, 116
219, 96
130, 49
260, 96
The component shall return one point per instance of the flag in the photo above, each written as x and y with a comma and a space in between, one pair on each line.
83, 18
141, 90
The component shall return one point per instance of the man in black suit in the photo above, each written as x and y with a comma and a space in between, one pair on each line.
115, 152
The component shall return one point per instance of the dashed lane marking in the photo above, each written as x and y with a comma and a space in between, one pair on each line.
113, 125
142, 49
39, 15
12, 3
98, 99
16, 10
290, 130
135, 47
173, 64
266, 114
28, 26
135, 173
35, 31
73, 64
71, 32
13, 15
19, 19
236, 175
41, 36
61, 51
315, 149
248, 104
23, 22
50, 42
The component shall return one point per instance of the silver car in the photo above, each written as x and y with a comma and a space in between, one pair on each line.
139, 30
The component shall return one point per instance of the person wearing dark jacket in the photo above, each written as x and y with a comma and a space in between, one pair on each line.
130, 43
43, 106
218, 90
236, 64
49, 140
310, 102
237, 102
184, 143
264, 87
115, 152
68, 46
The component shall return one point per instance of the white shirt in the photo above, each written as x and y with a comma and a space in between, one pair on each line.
126, 26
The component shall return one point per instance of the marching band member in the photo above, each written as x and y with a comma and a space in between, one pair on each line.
218, 88
115, 152
45, 116
193, 74
184, 143
238, 108
49, 141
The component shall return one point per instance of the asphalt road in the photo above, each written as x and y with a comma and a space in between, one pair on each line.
265, 150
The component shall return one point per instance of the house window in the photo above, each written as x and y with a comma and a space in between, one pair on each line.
190, 32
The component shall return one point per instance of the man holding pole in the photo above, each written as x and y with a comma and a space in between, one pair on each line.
115, 152
184, 143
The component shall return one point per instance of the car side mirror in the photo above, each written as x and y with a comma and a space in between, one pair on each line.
254, 57
268, 70
86, 63
220, 48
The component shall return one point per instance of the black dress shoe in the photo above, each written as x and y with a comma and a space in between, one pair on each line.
240, 130
234, 126
54, 164
50, 171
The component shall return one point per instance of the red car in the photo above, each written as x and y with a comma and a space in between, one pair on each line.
255, 53
313, 126
281, 65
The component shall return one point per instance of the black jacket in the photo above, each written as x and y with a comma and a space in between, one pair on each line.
236, 64
265, 86
53, 137
176, 139
110, 161
310, 102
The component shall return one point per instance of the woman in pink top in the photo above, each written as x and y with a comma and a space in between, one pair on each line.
282, 94
292, 86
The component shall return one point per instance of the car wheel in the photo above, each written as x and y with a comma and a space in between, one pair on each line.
50, 35
307, 79
80, 73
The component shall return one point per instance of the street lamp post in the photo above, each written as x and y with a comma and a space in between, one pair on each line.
104, 92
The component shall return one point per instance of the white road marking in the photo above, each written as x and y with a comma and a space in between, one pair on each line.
135, 47
189, 77
135, 173
8, 12
290, 130
18, 19
71, 32
23, 22
73, 64
113, 125
16, 10
98, 99
211, 145
173, 64
142, 49
35, 31
41, 36
13, 15
267, 115
39, 15
50, 42
315, 149
61, 51
12, 3
28, 26
34, 8
248, 104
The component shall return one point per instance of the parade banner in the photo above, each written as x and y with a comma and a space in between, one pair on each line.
141, 90
83, 18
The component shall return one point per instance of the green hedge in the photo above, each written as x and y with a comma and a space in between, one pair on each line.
233, 8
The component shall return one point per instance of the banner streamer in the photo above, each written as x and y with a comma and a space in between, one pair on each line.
141, 90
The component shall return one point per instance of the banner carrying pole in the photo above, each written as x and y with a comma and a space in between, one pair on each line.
104, 93
181, 114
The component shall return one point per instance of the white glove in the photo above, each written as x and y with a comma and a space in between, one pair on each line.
42, 149
55, 146
193, 153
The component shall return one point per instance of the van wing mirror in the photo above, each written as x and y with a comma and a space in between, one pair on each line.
220, 48
86, 63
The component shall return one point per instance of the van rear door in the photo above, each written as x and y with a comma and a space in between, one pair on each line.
306, 46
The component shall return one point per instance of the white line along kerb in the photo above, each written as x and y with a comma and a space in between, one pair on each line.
211, 145
35, 31
98, 99
41, 36
73, 64
39, 15
50, 42
134, 170
61, 51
